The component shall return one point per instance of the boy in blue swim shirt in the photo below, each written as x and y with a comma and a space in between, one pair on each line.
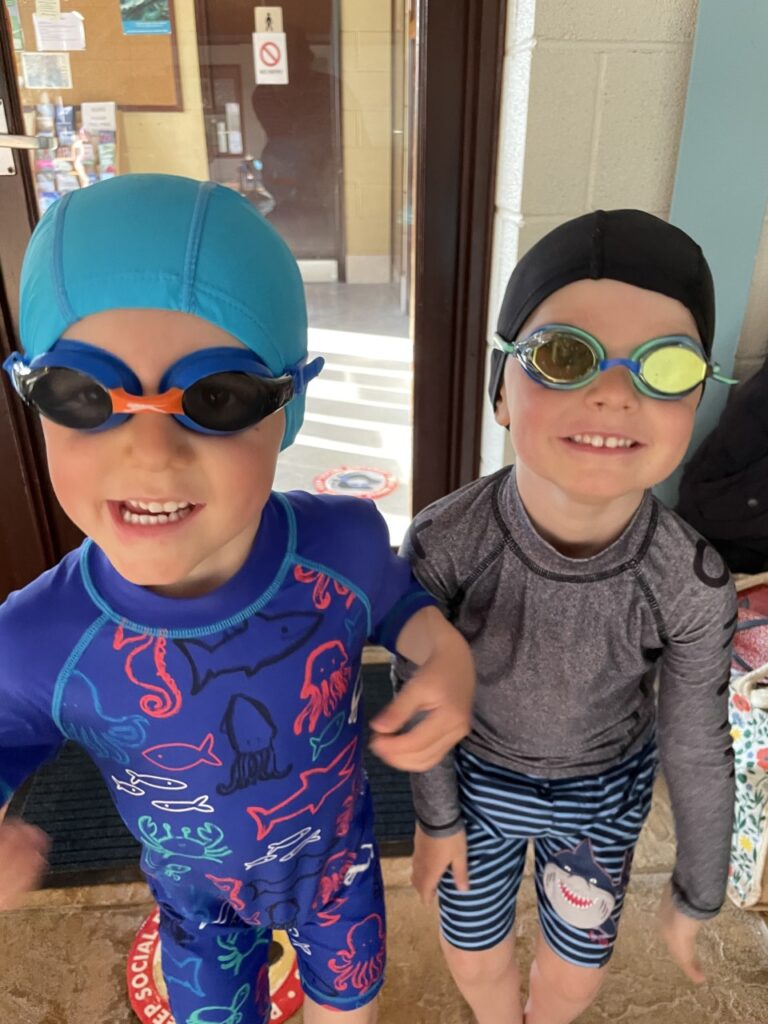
204, 643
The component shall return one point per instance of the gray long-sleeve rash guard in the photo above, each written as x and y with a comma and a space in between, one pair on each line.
567, 652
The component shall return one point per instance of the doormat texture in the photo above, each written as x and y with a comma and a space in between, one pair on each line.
68, 799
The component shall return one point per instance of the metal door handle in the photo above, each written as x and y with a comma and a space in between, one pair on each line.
18, 141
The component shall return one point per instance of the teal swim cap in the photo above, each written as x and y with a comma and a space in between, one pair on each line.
158, 241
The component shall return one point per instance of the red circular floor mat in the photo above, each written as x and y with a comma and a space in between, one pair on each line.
148, 995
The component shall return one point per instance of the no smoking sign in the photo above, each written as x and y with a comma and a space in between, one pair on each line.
270, 58
270, 54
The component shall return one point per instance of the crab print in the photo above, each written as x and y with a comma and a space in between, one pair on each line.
203, 843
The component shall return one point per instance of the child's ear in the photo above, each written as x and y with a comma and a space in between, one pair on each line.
501, 409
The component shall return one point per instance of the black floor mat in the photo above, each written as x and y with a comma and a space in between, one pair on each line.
90, 845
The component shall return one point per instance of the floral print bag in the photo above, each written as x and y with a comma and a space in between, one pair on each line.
748, 711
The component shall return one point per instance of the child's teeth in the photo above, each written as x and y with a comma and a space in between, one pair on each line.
154, 513
597, 441
155, 507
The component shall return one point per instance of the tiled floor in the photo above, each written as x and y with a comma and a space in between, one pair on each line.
64, 953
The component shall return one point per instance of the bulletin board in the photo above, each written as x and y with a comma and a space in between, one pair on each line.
138, 72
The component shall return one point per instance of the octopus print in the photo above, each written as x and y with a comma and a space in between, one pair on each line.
361, 963
321, 598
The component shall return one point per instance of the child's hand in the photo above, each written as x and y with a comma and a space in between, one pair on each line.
433, 711
23, 850
427, 718
432, 857
679, 933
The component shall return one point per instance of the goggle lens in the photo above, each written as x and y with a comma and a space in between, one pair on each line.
672, 370
68, 397
563, 358
231, 401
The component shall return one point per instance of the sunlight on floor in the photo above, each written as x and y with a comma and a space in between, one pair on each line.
358, 416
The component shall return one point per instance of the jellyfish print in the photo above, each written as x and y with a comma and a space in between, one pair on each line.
327, 675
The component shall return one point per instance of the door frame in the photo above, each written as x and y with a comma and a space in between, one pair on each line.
34, 532
461, 60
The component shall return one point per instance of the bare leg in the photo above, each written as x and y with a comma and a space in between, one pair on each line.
316, 1014
489, 980
559, 991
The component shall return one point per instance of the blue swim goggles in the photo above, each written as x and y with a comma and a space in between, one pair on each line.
213, 391
565, 358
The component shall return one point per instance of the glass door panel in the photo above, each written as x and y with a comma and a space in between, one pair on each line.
312, 119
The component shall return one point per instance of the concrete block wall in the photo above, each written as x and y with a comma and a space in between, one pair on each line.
593, 104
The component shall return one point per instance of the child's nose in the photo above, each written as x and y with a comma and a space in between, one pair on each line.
614, 388
155, 441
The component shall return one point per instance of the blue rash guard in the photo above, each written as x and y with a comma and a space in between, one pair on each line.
228, 729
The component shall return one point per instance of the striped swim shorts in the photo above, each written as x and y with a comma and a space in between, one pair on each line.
584, 832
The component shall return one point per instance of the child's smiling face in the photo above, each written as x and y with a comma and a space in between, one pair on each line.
219, 485
544, 423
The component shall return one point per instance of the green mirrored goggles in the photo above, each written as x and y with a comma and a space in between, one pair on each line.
563, 357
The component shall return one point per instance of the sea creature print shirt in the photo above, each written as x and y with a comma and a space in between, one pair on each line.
228, 726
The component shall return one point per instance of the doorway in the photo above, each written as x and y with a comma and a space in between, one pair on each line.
394, 256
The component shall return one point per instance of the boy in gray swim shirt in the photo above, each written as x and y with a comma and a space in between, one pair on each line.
575, 587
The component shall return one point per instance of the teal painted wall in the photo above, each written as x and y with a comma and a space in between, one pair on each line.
721, 184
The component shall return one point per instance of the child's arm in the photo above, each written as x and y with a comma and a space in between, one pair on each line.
438, 696
697, 759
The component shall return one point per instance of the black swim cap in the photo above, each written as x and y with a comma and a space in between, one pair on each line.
624, 245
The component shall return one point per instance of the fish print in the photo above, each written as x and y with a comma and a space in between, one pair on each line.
278, 636
127, 787
328, 736
154, 781
137, 784
181, 757
292, 844
200, 804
